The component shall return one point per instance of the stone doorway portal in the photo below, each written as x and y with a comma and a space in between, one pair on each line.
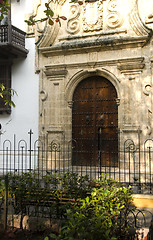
95, 123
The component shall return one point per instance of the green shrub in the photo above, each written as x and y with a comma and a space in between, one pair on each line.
100, 216
95, 210
47, 191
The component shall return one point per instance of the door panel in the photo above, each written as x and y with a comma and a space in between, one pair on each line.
95, 123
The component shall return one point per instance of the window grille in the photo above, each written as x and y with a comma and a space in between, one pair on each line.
5, 79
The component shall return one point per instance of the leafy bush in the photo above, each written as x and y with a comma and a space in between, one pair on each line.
2, 189
94, 209
50, 191
100, 216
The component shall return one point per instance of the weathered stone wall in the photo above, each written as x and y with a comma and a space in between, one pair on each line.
109, 38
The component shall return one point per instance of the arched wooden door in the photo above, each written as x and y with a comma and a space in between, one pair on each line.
95, 123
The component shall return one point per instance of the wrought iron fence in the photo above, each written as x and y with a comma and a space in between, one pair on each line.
134, 166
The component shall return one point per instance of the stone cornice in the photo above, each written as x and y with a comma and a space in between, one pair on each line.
131, 65
103, 43
122, 64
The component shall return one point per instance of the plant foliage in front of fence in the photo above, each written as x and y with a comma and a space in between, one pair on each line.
102, 215
52, 194
88, 209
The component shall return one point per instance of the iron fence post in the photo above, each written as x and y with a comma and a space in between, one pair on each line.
30, 148
6, 203
139, 131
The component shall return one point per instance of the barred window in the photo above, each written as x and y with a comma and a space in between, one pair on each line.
5, 79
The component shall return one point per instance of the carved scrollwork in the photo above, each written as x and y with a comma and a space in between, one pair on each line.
54, 146
73, 24
44, 95
136, 23
41, 27
147, 89
112, 6
129, 146
114, 18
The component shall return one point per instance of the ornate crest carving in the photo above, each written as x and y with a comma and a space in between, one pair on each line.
93, 16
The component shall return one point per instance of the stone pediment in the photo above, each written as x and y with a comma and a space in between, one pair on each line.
96, 22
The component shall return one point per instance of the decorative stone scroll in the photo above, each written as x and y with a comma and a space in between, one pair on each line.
40, 28
114, 18
136, 23
44, 95
73, 24
55, 146
147, 89
44, 33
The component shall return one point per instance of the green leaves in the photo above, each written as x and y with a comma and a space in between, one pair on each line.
101, 214
8, 93
49, 13
51, 22
4, 8
2, 87
97, 213
31, 21
46, 238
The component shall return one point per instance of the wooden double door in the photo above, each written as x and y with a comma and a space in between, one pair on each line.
95, 123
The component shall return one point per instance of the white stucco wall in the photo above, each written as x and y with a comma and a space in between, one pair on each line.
24, 80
